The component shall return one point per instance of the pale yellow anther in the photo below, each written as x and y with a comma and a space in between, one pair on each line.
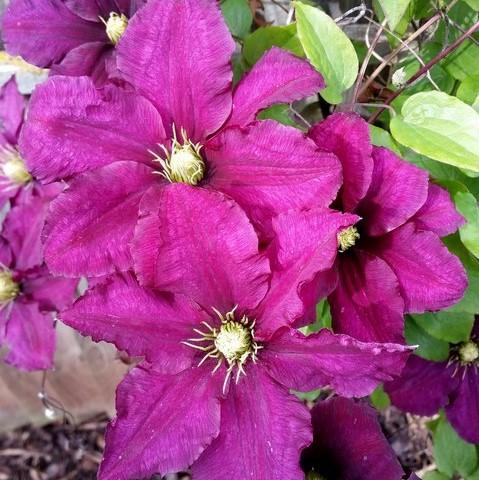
115, 26
469, 352
13, 167
347, 238
312, 475
9, 289
233, 341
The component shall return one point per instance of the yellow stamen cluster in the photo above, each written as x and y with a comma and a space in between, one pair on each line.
312, 475
13, 167
232, 342
347, 238
183, 163
9, 289
468, 352
115, 26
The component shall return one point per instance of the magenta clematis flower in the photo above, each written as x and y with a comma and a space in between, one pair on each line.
29, 294
182, 125
71, 37
348, 444
14, 176
392, 260
426, 386
214, 331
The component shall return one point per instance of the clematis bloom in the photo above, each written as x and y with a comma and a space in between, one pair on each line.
392, 260
426, 386
214, 329
72, 37
29, 294
348, 444
182, 125
14, 176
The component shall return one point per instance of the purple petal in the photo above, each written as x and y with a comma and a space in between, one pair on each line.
177, 53
42, 32
351, 367
30, 337
349, 444
398, 190
90, 225
163, 423
6, 257
347, 136
263, 430
138, 320
423, 387
269, 168
367, 302
12, 107
73, 127
430, 277
199, 243
438, 214
305, 244
92, 10
463, 409
278, 77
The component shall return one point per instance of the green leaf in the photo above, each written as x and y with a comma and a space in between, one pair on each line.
452, 454
329, 50
435, 476
238, 17
468, 91
323, 318
394, 10
440, 127
453, 327
261, 40
382, 138
380, 399
429, 348
280, 113
473, 4
469, 233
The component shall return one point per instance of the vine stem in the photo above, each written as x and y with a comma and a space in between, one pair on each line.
427, 67
435, 18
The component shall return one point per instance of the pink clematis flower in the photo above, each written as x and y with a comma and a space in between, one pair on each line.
220, 355
15, 180
29, 294
71, 37
426, 386
182, 125
348, 444
392, 260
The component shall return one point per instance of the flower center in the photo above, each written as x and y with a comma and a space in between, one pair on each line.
183, 163
9, 289
233, 342
14, 168
468, 352
347, 238
312, 475
115, 26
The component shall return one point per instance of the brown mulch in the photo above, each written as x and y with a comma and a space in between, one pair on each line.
66, 452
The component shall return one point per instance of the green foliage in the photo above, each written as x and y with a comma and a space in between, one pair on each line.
441, 127
429, 347
238, 17
453, 327
468, 91
469, 233
380, 399
394, 11
280, 112
328, 49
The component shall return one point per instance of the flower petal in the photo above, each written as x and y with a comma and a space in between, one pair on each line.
12, 107
30, 337
349, 444
305, 244
156, 429
73, 127
351, 367
430, 277
263, 430
177, 53
367, 302
398, 190
199, 243
269, 168
423, 387
438, 214
347, 136
138, 320
463, 409
278, 77
90, 225
42, 32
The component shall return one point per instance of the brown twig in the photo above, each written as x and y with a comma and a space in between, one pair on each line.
427, 67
